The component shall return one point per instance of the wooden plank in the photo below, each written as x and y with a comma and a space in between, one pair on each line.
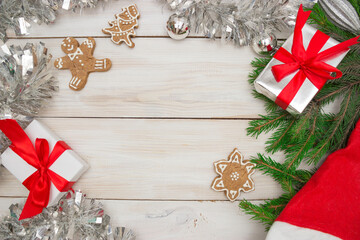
195, 78
153, 159
178, 220
153, 17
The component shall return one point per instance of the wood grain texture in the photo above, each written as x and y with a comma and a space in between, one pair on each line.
179, 220
153, 159
195, 78
152, 127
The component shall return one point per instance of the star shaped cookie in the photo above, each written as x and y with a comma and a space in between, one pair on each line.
235, 175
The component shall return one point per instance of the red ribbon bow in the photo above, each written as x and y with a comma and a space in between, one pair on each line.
40, 181
309, 63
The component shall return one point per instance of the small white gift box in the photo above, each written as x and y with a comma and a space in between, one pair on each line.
68, 165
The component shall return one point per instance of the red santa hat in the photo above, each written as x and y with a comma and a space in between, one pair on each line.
328, 206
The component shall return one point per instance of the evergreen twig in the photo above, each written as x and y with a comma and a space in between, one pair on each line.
313, 134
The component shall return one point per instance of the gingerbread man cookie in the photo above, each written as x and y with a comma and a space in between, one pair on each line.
80, 61
122, 28
235, 175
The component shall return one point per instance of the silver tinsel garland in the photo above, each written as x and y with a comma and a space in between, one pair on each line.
238, 21
19, 14
74, 218
26, 82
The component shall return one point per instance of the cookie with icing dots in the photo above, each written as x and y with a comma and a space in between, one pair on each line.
80, 61
235, 175
123, 27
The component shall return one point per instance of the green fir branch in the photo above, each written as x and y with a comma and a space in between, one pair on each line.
310, 136
296, 152
266, 123
275, 206
258, 213
274, 169
280, 138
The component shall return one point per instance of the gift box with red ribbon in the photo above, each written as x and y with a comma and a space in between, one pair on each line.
302, 66
43, 163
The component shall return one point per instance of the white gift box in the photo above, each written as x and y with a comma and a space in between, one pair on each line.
69, 165
268, 86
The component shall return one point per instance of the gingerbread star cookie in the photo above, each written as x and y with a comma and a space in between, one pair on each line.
123, 27
235, 175
80, 61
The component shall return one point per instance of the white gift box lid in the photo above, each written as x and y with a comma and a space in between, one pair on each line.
69, 165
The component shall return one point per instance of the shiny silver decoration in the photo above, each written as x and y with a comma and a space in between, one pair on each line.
178, 27
174, 3
23, 28
19, 14
342, 14
74, 218
125, 233
66, 4
238, 21
26, 83
264, 42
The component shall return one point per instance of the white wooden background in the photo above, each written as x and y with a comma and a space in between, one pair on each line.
152, 126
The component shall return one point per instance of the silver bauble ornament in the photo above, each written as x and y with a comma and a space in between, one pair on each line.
342, 14
264, 42
178, 27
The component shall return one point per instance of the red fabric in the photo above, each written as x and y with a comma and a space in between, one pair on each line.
330, 201
40, 181
309, 63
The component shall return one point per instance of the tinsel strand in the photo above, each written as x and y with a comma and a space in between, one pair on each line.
73, 218
238, 21
20, 14
26, 83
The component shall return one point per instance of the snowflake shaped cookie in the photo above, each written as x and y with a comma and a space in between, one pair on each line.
122, 28
235, 175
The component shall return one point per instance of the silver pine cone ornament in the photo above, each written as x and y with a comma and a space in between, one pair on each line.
342, 14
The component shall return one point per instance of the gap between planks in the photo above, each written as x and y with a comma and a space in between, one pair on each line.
100, 37
57, 37
154, 200
154, 118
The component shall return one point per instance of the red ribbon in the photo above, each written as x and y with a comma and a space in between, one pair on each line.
309, 63
40, 181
